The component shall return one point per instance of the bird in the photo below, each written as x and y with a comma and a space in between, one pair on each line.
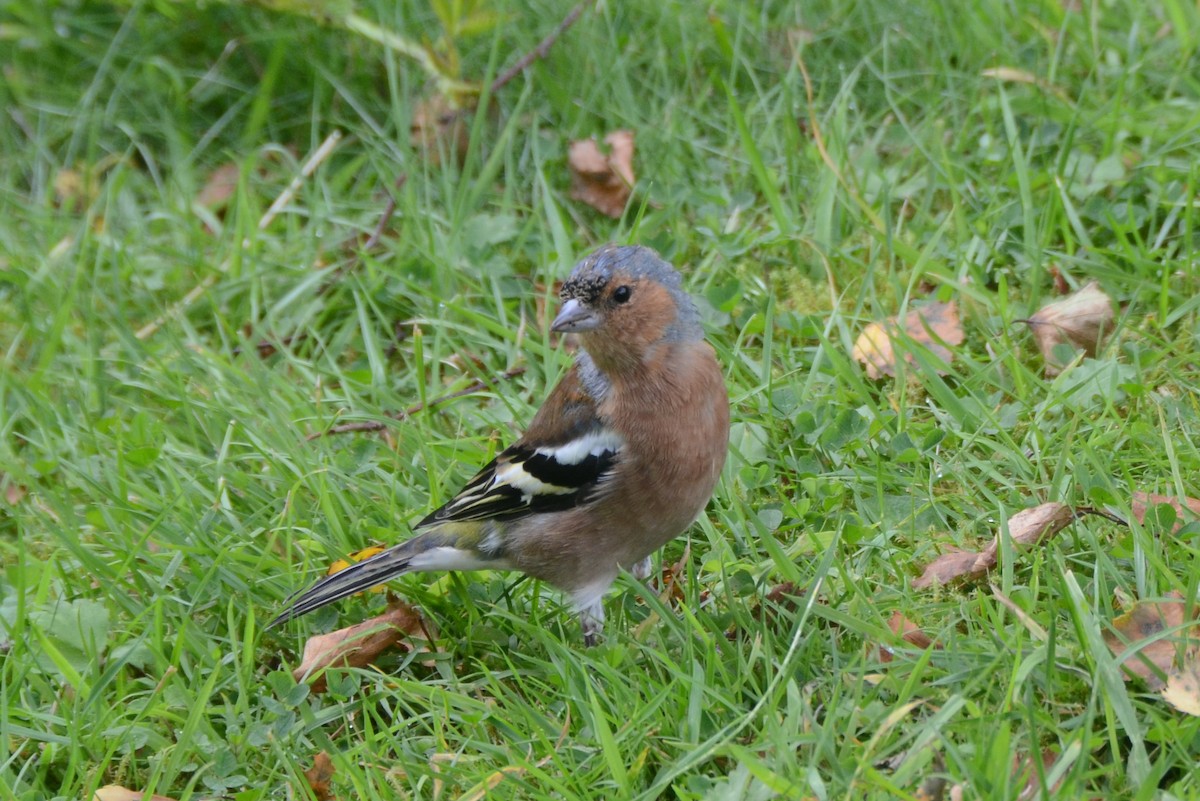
622, 456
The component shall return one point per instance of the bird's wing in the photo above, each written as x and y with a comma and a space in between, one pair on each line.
562, 461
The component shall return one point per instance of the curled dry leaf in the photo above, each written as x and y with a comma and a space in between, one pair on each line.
319, 776
1080, 321
1060, 282
604, 182
1183, 686
1150, 658
358, 645
1188, 509
953, 565
113, 792
934, 325
1027, 527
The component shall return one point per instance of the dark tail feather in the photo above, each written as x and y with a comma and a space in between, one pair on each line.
356, 578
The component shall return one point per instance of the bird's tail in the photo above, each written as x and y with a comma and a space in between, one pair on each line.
395, 561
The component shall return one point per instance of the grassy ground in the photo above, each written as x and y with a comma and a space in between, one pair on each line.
161, 498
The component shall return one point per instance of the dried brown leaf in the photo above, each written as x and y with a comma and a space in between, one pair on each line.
1060, 281
1028, 527
220, 186
953, 565
602, 181
1026, 773
1146, 620
319, 776
934, 325
1188, 509
906, 630
1183, 687
786, 592
1080, 320
113, 792
909, 631
358, 645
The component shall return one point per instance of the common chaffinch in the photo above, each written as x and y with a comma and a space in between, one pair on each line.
622, 456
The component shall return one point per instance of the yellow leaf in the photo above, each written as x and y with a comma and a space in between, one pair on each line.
1183, 689
933, 325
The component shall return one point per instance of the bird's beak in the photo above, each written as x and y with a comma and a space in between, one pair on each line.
574, 317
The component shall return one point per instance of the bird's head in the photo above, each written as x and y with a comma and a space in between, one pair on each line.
624, 302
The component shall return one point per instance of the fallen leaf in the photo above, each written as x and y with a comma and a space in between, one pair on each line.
439, 129
319, 775
1080, 321
1188, 509
906, 630
358, 645
220, 186
1060, 281
672, 586
113, 792
1145, 621
1183, 687
1027, 774
934, 325
74, 190
604, 182
953, 565
1027, 527
786, 592
909, 631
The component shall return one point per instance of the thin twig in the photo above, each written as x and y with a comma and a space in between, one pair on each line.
1091, 510
385, 216
285, 197
378, 425
388, 211
543, 47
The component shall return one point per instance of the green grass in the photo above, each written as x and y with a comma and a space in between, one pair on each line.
171, 498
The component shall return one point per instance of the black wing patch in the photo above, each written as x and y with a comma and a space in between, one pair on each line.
523, 481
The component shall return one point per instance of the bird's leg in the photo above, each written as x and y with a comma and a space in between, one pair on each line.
641, 570
591, 620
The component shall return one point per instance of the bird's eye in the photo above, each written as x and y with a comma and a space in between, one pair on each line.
622, 294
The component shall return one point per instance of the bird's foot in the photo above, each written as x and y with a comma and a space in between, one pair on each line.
641, 570
591, 620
